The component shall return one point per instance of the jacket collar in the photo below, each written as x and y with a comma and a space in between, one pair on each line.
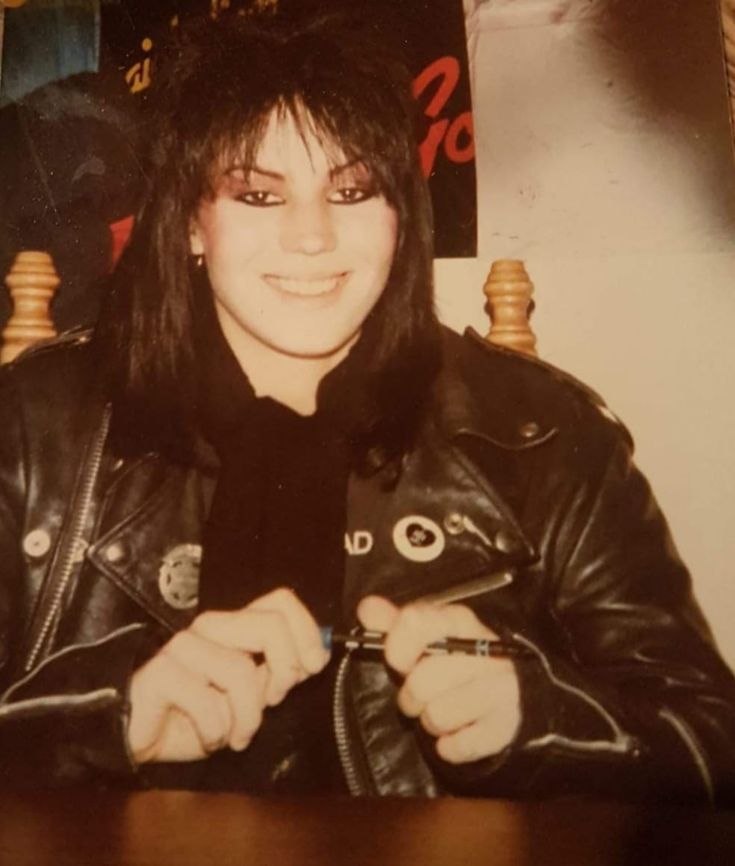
439, 485
486, 391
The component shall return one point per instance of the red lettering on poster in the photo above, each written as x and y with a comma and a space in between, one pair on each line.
447, 69
456, 149
457, 134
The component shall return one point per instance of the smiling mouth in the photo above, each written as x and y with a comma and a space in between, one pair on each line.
311, 287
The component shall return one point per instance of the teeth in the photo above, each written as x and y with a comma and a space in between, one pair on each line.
307, 288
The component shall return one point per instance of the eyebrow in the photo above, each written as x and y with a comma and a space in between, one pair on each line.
340, 169
275, 175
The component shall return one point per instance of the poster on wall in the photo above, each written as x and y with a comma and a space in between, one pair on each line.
72, 120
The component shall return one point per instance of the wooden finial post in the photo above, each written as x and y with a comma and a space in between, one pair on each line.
508, 290
32, 282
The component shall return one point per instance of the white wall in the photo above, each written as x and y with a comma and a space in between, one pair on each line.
634, 271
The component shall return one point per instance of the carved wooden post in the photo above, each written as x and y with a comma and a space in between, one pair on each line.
509, 290
32, 282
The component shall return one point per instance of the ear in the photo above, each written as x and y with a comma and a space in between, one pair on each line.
196, 245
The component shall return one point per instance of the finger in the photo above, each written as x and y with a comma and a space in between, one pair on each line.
206, 707
415, 626
494, 697
178, 740
279, 626
181, 738
256, 631
231, 671
434, 675
465, 623
303, 626
420, 624
376, 613
165, 684
477, 741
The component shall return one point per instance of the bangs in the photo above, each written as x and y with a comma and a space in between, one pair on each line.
239, 145
355, 101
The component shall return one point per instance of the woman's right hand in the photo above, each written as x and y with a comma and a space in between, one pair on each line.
203, 690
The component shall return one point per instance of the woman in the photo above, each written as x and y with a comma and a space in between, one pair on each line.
270, 433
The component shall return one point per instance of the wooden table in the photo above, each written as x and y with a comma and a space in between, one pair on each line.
179, 829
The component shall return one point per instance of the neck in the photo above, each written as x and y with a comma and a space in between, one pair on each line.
289, 379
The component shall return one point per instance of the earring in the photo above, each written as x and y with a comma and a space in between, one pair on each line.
198, 261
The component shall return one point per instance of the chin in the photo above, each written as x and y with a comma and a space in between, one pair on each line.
316, 349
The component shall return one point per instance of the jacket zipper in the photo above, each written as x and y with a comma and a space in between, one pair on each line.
74, 540
352, 776
355, 783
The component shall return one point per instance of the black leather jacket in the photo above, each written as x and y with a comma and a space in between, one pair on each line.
520, 472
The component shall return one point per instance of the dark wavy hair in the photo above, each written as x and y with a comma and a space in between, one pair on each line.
214, 95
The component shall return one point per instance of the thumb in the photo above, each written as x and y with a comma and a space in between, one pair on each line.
376, 613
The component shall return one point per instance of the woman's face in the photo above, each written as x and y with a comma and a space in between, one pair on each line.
298, 248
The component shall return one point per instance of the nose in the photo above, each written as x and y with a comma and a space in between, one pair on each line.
308, 227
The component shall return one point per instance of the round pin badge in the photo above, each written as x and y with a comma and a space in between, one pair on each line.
37, 543
418, 538
178, 576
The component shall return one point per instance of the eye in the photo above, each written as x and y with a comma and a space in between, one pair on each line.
259, 198
350, 195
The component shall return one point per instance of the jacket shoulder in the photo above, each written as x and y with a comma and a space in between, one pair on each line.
45, 356
54, 380
521, 399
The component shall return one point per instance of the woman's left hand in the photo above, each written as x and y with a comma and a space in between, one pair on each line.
471, 704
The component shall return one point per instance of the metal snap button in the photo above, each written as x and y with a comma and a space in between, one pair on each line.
454, 523
505, 542
37, 543
115, 552
529, 430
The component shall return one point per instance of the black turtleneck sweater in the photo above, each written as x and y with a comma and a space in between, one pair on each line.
277, 519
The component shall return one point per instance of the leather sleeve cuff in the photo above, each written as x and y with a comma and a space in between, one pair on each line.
564, 733
66, 721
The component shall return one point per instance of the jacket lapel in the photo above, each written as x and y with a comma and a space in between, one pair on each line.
443, 525
149, 539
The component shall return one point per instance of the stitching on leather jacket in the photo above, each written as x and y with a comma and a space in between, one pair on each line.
27, 707
691, 743
542, 438
65, 651
622, 743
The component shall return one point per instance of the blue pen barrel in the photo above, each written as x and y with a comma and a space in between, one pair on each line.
326, 631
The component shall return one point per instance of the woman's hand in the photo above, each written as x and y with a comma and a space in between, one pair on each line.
471, 704
204, 690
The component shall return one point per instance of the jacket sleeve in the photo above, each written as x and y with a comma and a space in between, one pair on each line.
627, 695
64, 720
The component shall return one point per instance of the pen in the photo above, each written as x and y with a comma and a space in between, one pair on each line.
374, 641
